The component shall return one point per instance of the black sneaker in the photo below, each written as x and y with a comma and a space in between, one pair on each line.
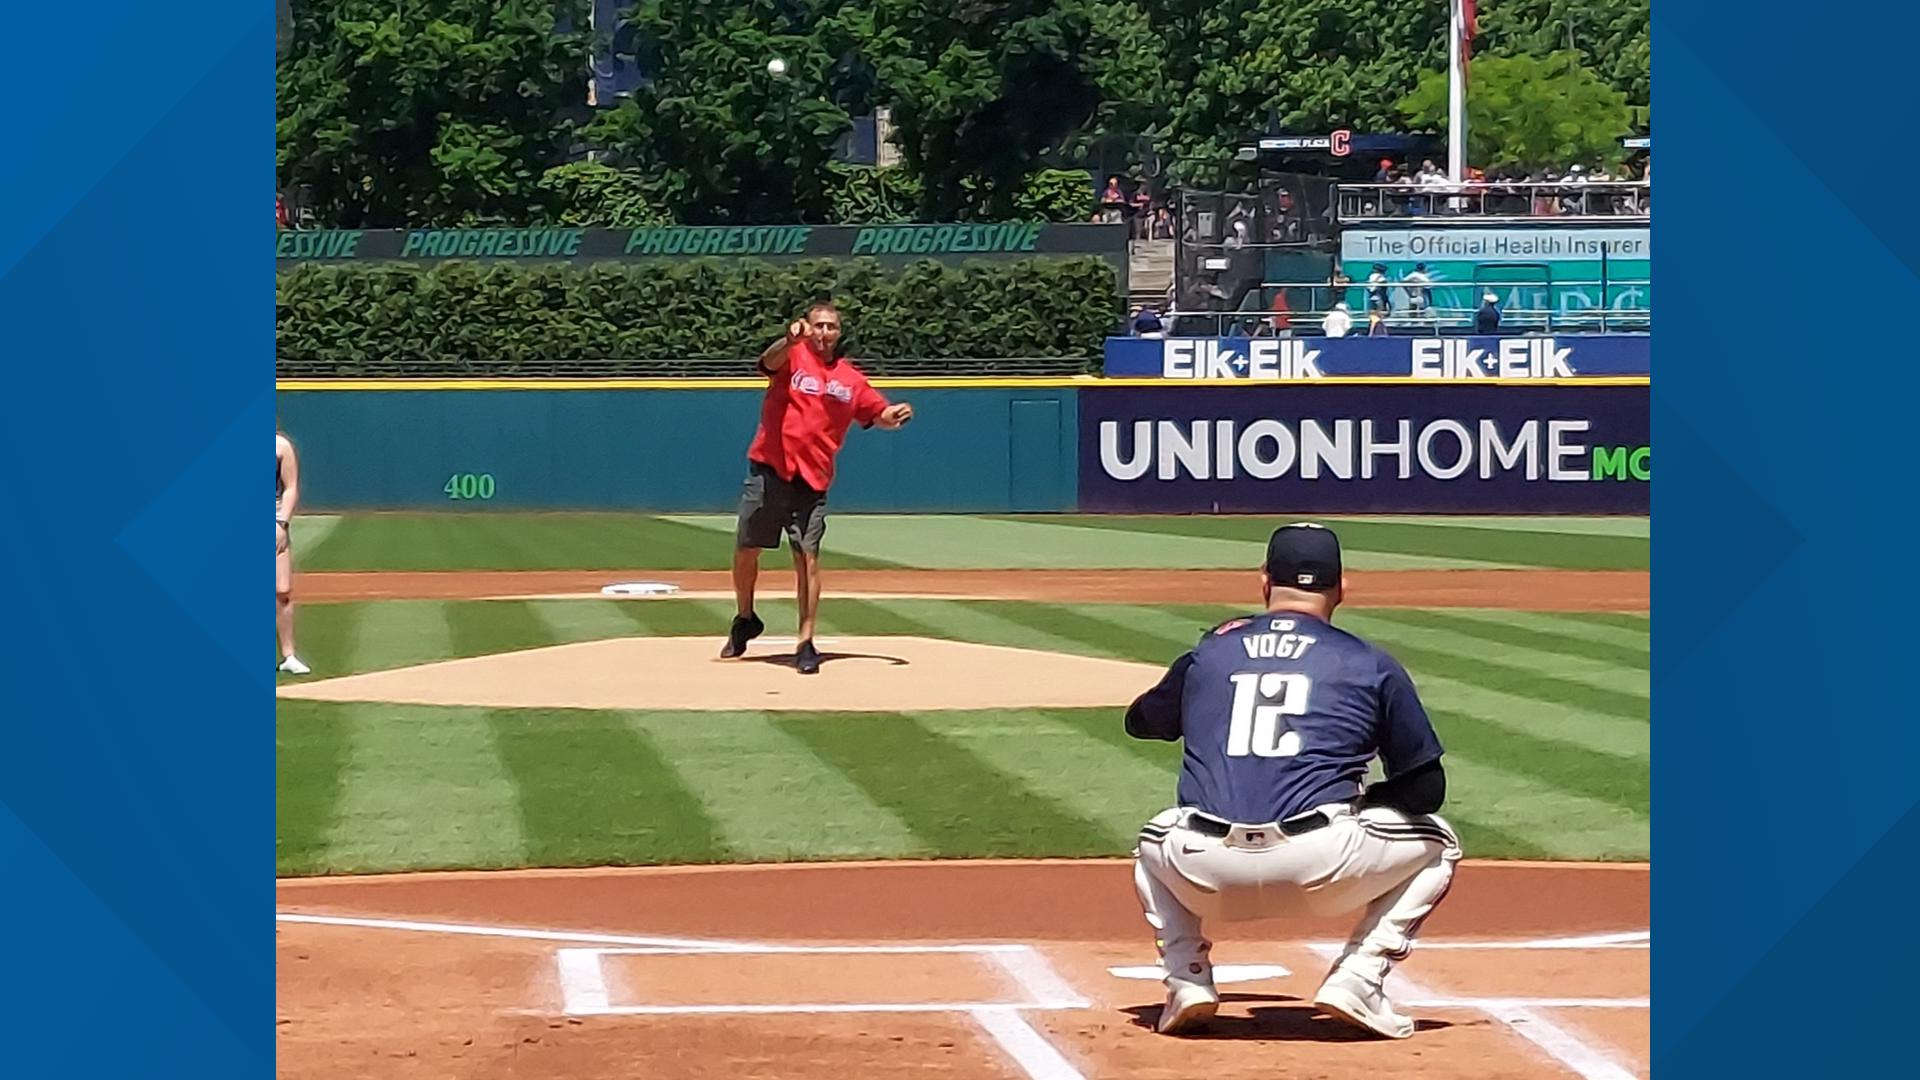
806, 659
745, 628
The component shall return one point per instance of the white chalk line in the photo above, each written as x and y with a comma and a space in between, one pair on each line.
1627, 939
766, 1009
1029, 1049
1037, 977
755, 950
1561, 1044
518, 933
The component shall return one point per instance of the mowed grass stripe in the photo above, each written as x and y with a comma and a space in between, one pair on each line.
1109, 726
1090, 777
594, 789
1492, 629
423, 787
508, 541
486, 627
1562, 823
1577, 526
1623, 782
327, 636
767, 794
399, 633
1394, 633
310, 756
1619, 620
1626, 641
956, 804
1096, 634
584, 620
310, 535
1408, 538
681, 618
1510, 679
1613, 736
1163, 759
985, 622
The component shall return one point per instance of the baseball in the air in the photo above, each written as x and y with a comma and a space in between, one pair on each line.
776, 67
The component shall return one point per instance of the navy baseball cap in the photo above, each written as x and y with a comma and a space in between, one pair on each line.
1304, 556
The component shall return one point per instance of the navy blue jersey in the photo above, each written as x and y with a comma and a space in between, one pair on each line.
1281, 713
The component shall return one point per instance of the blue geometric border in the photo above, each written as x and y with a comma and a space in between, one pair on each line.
136, 782
1787, 756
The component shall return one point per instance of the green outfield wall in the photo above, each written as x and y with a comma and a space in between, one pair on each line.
652, 448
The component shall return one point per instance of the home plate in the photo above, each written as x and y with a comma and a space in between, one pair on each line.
1222, 973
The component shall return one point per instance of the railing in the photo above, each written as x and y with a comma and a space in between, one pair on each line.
1495, 201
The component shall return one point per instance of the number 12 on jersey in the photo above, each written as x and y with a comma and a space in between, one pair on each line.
1260, 700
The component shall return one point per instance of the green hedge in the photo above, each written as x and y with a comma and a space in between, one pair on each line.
619, 318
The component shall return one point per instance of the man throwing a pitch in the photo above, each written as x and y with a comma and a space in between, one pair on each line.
1280, 714
814, 394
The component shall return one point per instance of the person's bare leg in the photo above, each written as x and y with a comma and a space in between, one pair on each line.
746, 573
283, 622
806, 570
746, 625
806, 573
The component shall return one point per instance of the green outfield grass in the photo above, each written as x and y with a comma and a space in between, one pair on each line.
502, 541
1544, 717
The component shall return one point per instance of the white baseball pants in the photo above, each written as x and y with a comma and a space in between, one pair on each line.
1395, 866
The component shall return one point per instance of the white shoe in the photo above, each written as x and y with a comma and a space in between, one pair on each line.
1188, 1006
1348, 998
292, 666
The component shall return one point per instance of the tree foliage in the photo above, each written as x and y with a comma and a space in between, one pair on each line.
445, 112
428, 112
1610, 36
1527, 112
981, 90
1237, 67
719, 139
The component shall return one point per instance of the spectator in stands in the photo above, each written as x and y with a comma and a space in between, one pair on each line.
1113, 204
1430, 175
1487, 319
1384, 174
1142, 206
1338, 283
1147, 324
1339, 321
1162, 224
1377, 289
1376, 324
1282, 321
1416, 285
281, 214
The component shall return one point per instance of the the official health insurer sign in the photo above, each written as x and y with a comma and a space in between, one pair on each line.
1414, 448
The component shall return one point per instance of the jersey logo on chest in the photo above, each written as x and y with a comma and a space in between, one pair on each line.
812, 386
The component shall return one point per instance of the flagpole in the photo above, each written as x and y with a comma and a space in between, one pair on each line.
1456, 94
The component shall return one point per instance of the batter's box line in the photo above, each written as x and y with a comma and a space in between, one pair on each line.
583, 981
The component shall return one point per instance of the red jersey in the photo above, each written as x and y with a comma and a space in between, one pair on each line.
804, 419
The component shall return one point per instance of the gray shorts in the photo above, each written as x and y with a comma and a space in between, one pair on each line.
770, 506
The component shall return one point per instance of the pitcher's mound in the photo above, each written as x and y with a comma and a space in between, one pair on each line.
860, 674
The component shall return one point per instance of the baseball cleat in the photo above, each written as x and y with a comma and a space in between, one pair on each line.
1345, 997
292, 666
806, 659
1188, 1006
745, 628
